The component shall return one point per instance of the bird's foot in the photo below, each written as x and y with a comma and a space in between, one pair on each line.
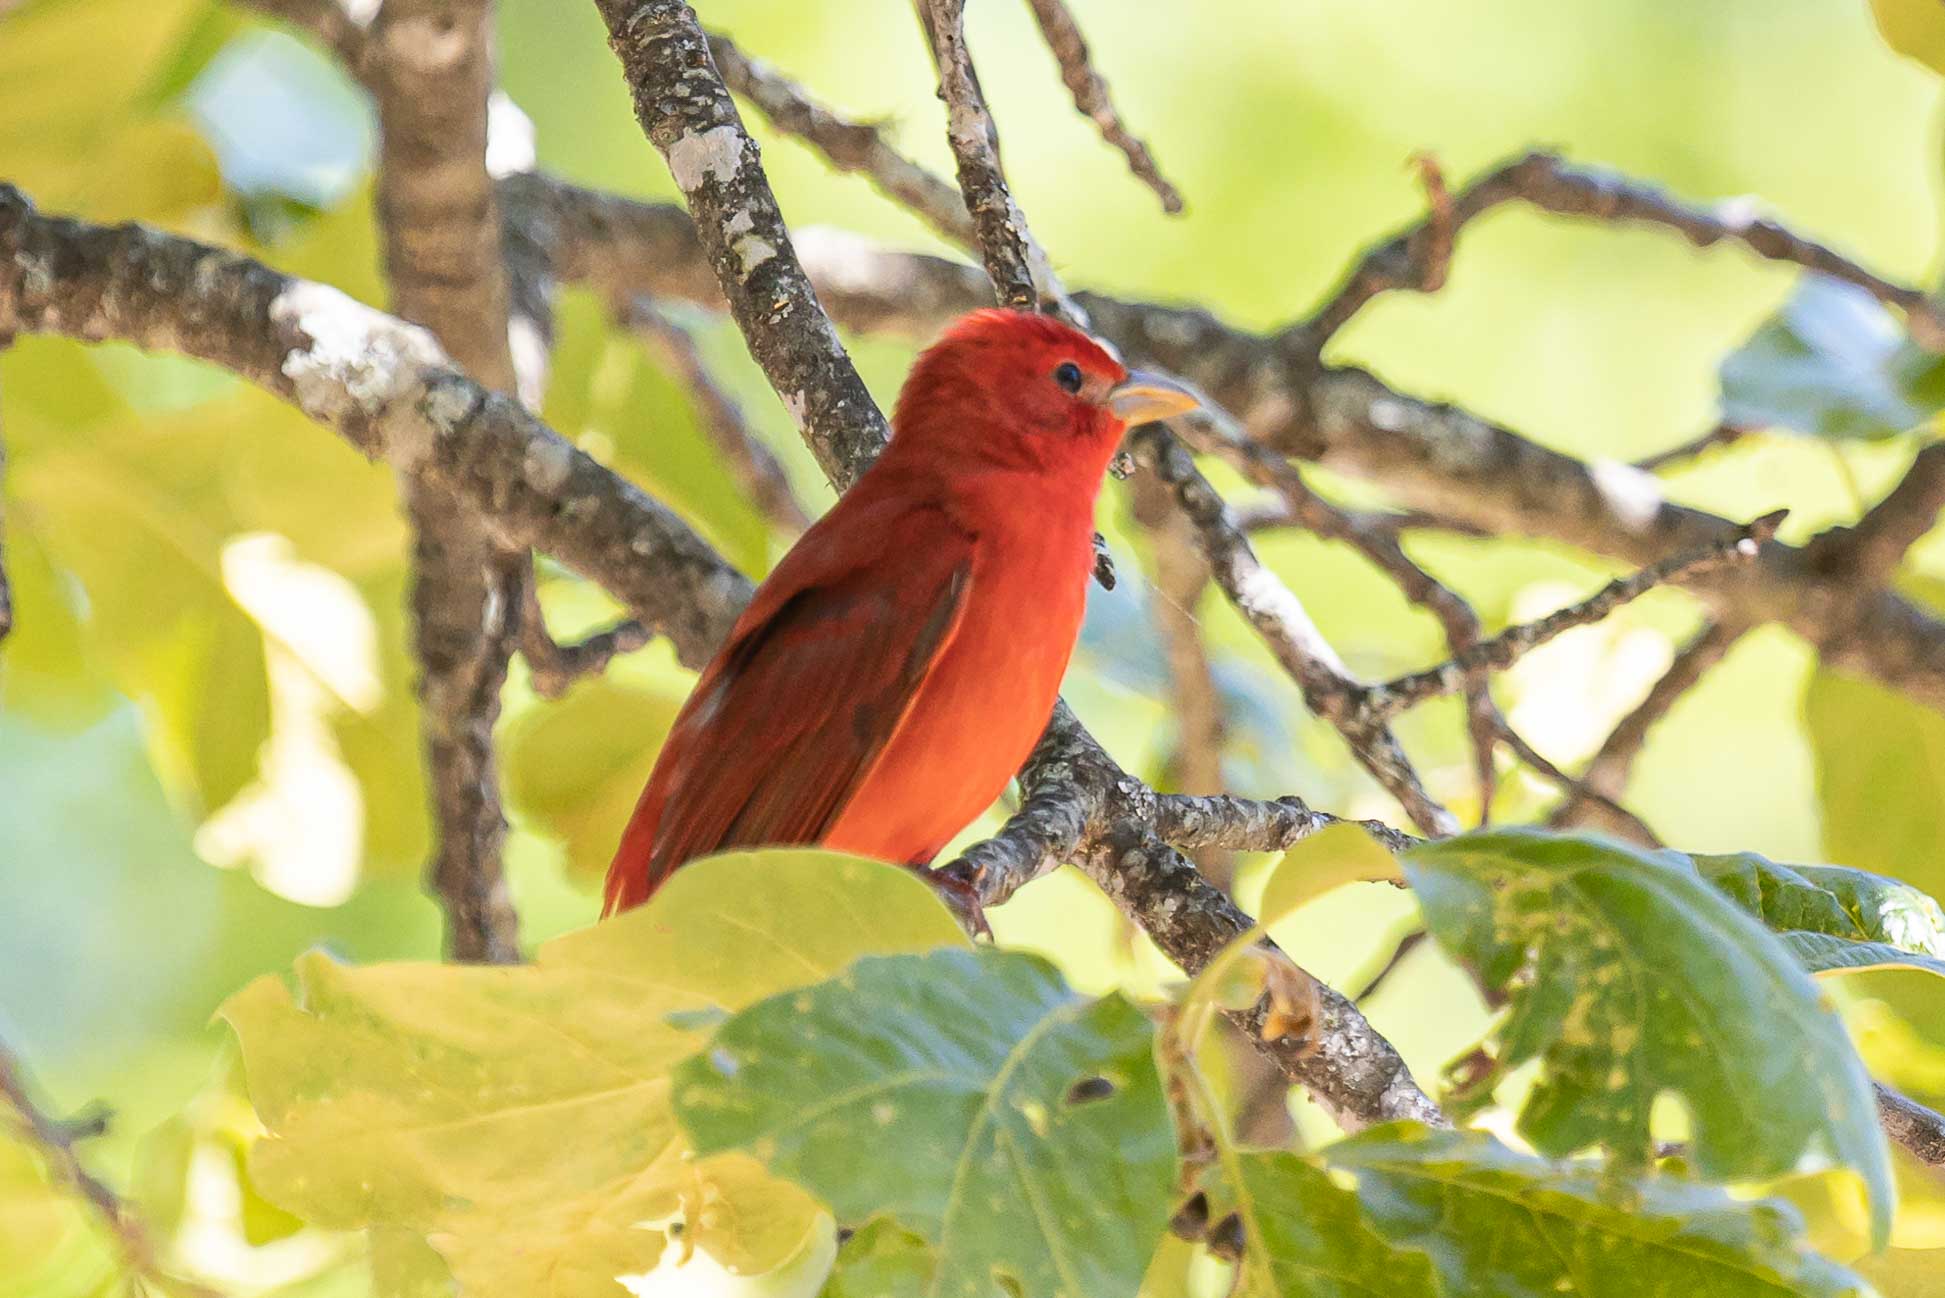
960, 897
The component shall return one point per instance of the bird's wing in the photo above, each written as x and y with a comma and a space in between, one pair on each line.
786, 724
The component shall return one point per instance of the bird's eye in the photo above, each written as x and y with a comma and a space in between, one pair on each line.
1068, 375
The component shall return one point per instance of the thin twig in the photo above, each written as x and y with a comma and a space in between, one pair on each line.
554, 667
849, 145
1506, 648
1285, 627
1618, 817
1723, 434
1407, 944
1919, 1129
1090, 92
1607, 773
1548, 183
54, 1140
753, 465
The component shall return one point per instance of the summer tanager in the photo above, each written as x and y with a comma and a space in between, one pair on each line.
896, 668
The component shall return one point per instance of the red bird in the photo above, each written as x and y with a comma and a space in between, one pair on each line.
897, 667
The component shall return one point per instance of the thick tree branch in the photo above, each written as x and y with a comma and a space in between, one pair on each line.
1090, 92
1019, 270
384, 385
849, 145
688, 114
429, 66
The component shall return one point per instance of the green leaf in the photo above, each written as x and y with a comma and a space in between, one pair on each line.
1502, 1225
1833, 918
1331, 857
1833, 363
1880, 778
1629, 976
578, 765
1033, 1145
1308, 1237
1914, 28
518, 1118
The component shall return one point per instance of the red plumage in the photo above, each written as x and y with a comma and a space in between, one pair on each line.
896, 668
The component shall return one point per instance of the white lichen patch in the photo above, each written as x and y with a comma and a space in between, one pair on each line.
1633, 494
740, 223
715, 154
752, 251
352, 364
546, 465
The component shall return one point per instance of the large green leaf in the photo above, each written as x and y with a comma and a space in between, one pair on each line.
1630, 977
1032, 1145
1308, 1237
518, 1118
1833, 918
1833, 363
1502, 1225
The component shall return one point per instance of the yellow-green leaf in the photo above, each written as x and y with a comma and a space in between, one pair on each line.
1914, 28
519, 1118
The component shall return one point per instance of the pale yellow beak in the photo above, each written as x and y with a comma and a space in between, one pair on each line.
1142, 398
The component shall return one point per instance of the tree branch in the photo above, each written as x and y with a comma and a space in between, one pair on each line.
1544, 181
1280, 619
429, 66
1723, 434
1868, 554
750, 462
1919, 1129
688, 115
1018, 269
1091, 98
54, 1141
1607, 773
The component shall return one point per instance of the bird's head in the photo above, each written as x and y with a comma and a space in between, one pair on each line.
1011, 389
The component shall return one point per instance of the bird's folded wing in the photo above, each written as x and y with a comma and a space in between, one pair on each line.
782, 731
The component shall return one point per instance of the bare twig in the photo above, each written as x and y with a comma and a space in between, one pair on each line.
756, 470
1280, 619
1091, 96
1607, 773
1506, 648
1546, 182
555, 667
850, 146
54, 1141
1179, 576
1407, 944
1919, 1129
1617, 817
1419, 259
1723, 434
1017, 267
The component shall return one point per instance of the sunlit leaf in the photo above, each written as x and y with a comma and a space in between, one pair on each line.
1833, 918
1308, 1237
1497, 1224
1628, 977
1034, 1149
519, 1117
1833, 363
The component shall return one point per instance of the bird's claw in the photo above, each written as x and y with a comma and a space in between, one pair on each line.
961, 898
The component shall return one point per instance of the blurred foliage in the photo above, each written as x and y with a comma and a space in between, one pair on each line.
210, 666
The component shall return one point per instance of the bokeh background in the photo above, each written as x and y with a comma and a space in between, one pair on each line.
208, 754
